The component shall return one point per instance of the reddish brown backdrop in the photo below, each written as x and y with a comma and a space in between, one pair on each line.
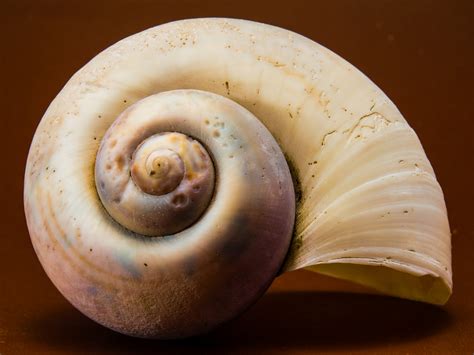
419, 52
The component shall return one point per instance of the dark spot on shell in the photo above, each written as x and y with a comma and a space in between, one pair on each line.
146, 265
233, 248
296, 181
92, 291
298, 242
190, 265
196, 188
216, 133
179, 200
119, 160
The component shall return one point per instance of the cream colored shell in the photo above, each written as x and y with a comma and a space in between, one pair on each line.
369, 210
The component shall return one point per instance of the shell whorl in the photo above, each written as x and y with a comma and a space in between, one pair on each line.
155, 178
152, 181
370, 208
193, 251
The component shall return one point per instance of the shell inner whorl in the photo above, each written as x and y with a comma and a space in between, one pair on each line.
156, 170
154, 184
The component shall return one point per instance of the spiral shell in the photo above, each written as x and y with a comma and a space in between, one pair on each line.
368, 206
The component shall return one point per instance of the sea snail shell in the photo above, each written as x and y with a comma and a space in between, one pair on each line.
160, 204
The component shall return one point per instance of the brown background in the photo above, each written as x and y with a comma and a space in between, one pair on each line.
419, 52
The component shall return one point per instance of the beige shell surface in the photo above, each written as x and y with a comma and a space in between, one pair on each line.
370, 208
